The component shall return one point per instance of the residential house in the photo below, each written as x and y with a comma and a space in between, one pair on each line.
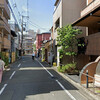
49, 48
38, 43
5, 33
48, 55
65, 12
39, 40
15, 41
90, 18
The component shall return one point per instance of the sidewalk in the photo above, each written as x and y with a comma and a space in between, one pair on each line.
75, 78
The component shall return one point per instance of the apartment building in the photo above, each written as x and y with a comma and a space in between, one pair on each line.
65, 12
5, 33
40, 38
28, 44
32, 34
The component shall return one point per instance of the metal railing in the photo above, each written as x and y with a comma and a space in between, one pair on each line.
90, 85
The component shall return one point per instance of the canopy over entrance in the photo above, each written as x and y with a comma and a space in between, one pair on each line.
91, 18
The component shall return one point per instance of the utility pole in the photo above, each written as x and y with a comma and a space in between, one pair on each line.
22, 38
22, 34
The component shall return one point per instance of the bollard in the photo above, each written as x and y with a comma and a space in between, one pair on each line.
86, 78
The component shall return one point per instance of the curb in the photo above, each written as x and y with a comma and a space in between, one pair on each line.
95, 97
9, 66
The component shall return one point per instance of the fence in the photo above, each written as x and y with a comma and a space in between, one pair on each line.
94, 85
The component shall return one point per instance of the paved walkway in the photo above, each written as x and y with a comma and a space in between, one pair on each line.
75, 78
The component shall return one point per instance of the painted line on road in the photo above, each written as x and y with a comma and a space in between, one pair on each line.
19, 65
45, 69
65, 90
12, 75
1, 91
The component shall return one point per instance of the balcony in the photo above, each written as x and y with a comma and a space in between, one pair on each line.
56, 5
4, 25
93, 5
6, 43
93, 44
4, 6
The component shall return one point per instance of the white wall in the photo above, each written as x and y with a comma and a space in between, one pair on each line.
57, 14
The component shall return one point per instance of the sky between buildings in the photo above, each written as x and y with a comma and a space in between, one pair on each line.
40, 13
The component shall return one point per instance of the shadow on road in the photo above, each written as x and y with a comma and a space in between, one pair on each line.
31, 80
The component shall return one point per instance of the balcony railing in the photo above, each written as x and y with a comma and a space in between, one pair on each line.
4, 5
6, 43
94, 4
4, 25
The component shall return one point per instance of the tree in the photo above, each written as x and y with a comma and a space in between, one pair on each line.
67, 40
34, 47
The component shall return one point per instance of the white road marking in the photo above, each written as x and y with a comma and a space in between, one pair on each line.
12, 75
58, 83
65, 90
19, 65
1, 91
45, 69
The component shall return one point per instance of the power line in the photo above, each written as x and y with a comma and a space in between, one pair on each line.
38, 25
27, 13
13, 15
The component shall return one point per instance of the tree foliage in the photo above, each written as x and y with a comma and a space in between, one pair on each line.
4, 58
67, 40
34, 47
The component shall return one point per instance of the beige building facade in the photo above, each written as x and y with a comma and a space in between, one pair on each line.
65, 12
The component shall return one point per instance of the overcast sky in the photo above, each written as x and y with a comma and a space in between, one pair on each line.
40, 13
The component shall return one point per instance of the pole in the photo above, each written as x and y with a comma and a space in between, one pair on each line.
86, 78
22, 39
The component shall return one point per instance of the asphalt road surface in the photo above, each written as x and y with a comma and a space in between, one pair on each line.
31, 80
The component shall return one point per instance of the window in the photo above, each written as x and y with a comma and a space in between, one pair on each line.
82, 45
57, 24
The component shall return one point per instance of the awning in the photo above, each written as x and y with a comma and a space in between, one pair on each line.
92, 18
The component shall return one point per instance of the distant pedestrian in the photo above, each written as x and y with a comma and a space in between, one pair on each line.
2, 64
33, 55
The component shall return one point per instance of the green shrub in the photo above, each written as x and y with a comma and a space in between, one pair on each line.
61, 69
5, 59
67, 68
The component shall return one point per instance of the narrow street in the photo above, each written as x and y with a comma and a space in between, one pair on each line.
30, 80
